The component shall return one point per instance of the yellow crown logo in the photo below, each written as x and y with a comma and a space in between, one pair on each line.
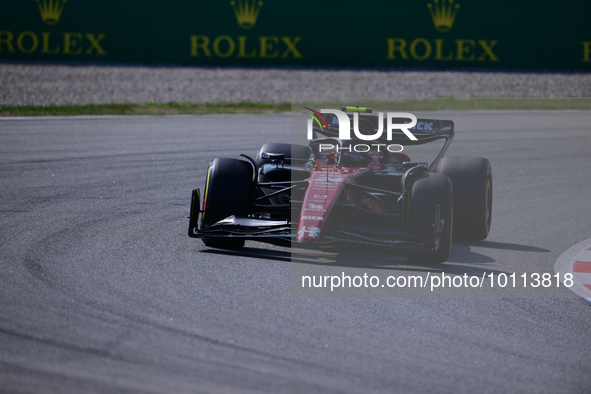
443, 14
51, 10
247, 12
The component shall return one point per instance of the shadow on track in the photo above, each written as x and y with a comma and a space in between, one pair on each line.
258, 253
502, 246
463, 260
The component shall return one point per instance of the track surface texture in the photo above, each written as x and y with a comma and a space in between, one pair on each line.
102, 291
45, 84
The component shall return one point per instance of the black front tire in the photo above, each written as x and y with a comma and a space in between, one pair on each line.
429, 195
228, 191
472, 182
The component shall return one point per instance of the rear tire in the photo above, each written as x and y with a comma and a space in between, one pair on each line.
472, 182
228, 191
427, 192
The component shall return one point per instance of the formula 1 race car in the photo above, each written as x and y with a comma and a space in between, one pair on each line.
348, 191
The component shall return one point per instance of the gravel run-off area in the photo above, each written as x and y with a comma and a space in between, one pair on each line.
76, 84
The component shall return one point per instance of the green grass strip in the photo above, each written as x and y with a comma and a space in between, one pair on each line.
143, 109
438, 104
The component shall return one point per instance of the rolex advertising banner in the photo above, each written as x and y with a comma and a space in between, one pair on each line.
533, 34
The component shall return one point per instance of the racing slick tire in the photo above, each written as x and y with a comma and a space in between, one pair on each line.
301, 152
228, 191
472, 182
430, 193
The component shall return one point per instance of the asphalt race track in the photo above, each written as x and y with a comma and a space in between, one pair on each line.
101, 290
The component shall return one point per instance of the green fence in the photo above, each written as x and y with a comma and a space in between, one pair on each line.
430, 33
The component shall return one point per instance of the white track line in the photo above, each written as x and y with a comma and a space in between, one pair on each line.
577, 258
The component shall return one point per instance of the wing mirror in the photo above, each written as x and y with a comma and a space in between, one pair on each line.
273, 156
411, 164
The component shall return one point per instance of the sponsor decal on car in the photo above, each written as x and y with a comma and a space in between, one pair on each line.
315, 208
321, 218
312, 232
331, 178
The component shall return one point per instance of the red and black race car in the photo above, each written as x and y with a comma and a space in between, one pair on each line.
348, 191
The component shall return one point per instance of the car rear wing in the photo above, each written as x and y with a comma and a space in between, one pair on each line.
426, 130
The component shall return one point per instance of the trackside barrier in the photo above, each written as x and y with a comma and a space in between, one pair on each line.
530, 34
